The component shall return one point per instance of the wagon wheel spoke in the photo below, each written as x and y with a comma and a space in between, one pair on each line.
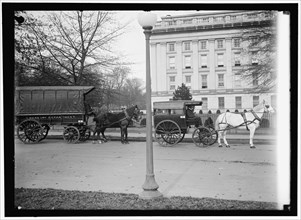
214, 135
30, 131
202, 137
71, 134
167, 133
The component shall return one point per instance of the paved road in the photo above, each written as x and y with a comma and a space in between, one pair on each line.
183, 170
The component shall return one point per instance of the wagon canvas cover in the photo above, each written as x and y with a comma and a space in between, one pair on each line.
51, 100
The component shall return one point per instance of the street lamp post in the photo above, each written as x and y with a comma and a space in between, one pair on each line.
147, 20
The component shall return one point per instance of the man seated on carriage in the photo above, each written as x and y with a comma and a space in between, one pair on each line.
192, 119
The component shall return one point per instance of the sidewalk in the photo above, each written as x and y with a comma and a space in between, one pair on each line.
139, 134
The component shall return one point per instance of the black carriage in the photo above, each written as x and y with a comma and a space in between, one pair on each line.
40, 107
172, 121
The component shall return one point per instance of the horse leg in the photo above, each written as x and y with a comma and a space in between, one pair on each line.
225, 140
94, 132
122, 134
252, 131
126, 135
103, 135
219, 139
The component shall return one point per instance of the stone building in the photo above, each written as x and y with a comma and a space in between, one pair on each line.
203, 51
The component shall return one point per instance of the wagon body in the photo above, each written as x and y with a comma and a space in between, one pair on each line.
171, 123
37, 107
175, 111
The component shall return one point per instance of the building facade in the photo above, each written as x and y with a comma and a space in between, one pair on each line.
204, 51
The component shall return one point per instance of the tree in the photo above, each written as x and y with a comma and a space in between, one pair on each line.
182, 93
72, 42
259, 54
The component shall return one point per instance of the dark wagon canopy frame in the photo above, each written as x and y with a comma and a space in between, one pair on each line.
38, 107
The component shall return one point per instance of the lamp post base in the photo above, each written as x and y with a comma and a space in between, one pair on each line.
150, 194
150, 188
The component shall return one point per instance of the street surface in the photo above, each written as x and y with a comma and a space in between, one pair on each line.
238, 172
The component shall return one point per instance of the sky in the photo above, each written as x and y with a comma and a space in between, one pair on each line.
132, 43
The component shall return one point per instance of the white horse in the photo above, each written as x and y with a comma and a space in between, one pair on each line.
249, 120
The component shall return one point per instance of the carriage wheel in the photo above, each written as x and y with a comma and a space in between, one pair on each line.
45, 130
202, 137
30, 131
71, 134
214, 135
85, 134
182, 135
168, 133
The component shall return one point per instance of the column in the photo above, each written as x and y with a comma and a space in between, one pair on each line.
229, 78
179, 63
195, 68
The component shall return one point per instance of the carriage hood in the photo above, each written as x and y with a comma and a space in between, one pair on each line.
51, 100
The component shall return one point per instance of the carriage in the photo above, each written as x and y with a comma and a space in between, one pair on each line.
172, 122
40, 107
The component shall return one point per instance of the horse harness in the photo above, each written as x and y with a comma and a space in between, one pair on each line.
246, 122
127, 117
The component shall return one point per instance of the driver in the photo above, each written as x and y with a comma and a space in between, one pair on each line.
197, 121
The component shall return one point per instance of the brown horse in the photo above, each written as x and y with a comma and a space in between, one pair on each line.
115, 120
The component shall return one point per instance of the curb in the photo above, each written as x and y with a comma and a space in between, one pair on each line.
185, 140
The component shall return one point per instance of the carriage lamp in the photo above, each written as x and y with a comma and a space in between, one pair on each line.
150, 188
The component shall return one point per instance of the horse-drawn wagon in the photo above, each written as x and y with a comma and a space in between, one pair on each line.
172, 120
39, 107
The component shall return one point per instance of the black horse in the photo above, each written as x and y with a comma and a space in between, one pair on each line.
115, 120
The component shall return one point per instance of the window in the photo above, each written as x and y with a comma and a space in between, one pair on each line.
236, 59
204, 82
236, 42
255, 79
188, 79
203, 45
255, 101
254, 58
238, 102
220, 80
171, 62
204, 61
187, 46
221, 102
220, 59
187, 62
205, 103
220, 44
237, 80
172, 87
171, 47
172, 79
233, 18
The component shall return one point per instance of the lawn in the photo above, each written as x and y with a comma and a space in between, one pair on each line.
53, 199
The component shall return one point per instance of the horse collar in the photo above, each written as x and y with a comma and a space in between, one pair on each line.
255, 115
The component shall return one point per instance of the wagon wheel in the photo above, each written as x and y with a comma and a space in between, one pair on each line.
168, 133
71, 134
85, 134
214, 135
45, 130
202, 137
182, 136
30, 131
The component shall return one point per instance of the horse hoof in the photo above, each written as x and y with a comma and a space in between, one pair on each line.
227, 145
252, 147
220, 145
